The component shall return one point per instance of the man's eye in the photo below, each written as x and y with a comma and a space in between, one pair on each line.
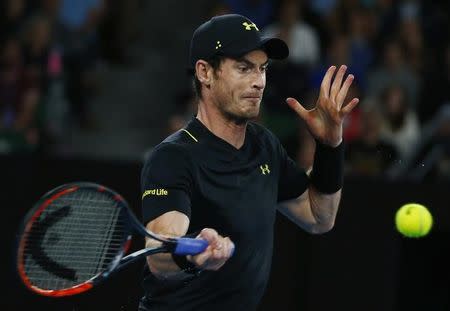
243, 68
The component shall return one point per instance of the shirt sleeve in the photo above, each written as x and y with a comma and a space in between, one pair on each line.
293, 180
166, 182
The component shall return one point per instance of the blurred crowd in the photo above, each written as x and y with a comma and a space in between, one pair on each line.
399, 52
50, 51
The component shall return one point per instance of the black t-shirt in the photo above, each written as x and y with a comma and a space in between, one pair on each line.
234, 191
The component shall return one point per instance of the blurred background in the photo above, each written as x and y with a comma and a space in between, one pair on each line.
88, 87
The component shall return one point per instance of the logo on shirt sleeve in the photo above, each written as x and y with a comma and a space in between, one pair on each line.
156, 192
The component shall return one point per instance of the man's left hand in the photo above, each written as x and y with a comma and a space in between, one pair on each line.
325, 121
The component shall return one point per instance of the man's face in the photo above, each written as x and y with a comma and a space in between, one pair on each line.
238, 85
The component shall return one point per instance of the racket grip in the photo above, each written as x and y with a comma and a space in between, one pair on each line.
189, 246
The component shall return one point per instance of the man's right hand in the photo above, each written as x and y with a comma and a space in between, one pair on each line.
220, 249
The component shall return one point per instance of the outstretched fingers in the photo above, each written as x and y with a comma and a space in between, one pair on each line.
344, 90
349, 107
337, 83
326, 82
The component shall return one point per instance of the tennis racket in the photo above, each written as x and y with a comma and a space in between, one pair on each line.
77, 234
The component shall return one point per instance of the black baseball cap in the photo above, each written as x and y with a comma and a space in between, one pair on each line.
232, 35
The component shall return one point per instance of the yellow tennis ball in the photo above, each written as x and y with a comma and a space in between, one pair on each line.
413, 220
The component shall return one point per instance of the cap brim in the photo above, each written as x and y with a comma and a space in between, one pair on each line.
275, 48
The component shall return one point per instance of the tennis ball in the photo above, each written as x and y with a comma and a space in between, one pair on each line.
413, 220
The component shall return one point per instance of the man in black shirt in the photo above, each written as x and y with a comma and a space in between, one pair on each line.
221, 177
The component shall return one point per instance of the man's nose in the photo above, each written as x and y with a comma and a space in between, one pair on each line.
260, 81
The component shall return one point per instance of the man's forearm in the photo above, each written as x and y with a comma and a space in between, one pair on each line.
170, 224
313, 211
324, 208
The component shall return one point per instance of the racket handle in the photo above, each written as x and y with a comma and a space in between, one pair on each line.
189, 246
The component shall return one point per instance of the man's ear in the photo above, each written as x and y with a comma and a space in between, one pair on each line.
204, 72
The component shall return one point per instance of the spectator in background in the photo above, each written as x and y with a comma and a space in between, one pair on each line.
119, 29
411, 36
393, 69
19, 101
441, 141
37, 46
435, 24
386, 16
322, 8
11, 80
337, 52
289, 76
431, 159
370, 155
185, 109
13, 13
80, 20
302, 39
349, 28
401, 126
360, 44
43, 61
50, 8
436, 86
259, 11
57, 115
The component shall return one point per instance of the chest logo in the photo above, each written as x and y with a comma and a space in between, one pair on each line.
265, 169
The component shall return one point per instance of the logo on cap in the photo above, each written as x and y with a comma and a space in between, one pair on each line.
218, 45
249, 26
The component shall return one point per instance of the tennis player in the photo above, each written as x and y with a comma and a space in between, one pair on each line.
222, 178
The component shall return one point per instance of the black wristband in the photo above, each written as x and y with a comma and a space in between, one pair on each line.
181, 260
327, 175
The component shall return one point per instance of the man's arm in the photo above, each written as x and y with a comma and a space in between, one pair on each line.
313, 211
170, 224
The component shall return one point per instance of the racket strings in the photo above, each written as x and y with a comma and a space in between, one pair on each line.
76, 237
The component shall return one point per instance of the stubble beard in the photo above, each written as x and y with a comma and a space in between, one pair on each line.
238, 119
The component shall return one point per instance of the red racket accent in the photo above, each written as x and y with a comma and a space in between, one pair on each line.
78, 289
